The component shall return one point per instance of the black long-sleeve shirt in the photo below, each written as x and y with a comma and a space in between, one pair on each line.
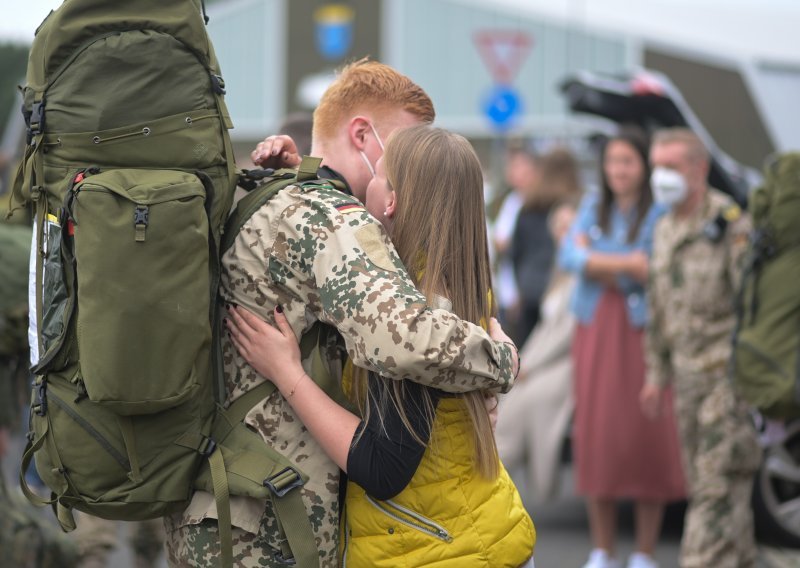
386, 456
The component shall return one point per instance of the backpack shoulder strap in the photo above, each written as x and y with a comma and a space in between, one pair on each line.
305, 175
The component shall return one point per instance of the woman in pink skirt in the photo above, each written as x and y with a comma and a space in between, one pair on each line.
619, 453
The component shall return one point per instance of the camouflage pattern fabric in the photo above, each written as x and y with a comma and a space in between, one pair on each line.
27, 539
720, 449
97, 539
320, 255
692, 289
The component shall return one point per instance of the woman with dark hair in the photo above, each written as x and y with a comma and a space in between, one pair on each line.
619, 452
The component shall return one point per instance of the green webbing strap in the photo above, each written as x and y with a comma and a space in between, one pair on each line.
222, 497
30, 449
239, 408
291, 511
63, 514
252, 202
308, 168
65, 517
311, 349
283, 480
15, 199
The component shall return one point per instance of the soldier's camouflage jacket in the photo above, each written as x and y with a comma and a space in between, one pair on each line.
320, 255
693, 281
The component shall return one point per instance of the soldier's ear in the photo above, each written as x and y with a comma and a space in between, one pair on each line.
357, 131
391, 205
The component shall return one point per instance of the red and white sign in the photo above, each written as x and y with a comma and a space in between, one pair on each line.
503, 52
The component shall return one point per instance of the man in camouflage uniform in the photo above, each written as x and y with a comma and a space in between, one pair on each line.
98, 539
322, 257
696, 268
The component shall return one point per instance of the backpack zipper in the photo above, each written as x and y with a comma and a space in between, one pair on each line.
118, 457
410, 518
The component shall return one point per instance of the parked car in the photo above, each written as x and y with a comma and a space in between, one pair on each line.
651, 101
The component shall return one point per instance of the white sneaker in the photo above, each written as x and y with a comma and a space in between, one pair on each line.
599, 558
641, 560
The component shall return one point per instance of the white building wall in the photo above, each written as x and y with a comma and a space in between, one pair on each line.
432, 41
248, 37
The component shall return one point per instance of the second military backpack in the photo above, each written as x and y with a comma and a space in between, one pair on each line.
766, 355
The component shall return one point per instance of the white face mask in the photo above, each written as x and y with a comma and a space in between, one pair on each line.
370, 167
669, 186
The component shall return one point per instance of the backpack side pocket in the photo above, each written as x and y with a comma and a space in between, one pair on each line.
143, 287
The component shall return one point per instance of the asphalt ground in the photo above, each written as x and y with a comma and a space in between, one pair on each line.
562, 529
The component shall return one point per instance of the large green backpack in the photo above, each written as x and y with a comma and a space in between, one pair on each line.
766, 357
130, 173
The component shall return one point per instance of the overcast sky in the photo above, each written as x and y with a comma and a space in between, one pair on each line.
749, 28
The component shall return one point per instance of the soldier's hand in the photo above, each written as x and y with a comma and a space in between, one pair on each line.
273, 352
650, 401
278, 151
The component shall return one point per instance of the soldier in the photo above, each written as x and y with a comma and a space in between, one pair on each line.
322, 257
98, 539
696, 266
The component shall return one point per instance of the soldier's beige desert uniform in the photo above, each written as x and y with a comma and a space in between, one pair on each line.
321, 256
693, 282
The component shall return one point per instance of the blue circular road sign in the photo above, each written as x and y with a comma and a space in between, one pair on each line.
501, 105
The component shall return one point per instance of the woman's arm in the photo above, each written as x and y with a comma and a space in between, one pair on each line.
275, 354
576, 255
605, 266
386, 455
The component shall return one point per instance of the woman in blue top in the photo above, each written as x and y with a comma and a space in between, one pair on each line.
619, 453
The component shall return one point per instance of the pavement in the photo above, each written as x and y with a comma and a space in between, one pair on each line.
562, 530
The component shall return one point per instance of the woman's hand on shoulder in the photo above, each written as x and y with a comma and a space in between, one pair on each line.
272, 351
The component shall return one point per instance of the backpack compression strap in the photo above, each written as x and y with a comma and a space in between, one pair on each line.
248, 460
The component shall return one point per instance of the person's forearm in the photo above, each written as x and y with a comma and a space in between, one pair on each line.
330, 424
603, 266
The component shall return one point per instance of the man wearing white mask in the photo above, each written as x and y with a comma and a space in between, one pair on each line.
698, 251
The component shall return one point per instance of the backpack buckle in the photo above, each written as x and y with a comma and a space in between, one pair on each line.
208, 447
40, 407
281, 559
35, 120
218, 84
284, 481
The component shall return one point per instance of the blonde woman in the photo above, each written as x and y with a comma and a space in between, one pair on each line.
425, 483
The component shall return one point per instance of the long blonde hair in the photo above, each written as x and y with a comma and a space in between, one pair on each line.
439, 232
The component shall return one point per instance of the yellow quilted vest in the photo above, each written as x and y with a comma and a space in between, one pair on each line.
448, 514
